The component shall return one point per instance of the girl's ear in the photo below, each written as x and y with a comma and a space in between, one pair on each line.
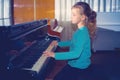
83, 18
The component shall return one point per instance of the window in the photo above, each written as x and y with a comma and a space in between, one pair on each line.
5, 12
106, 5
63, 7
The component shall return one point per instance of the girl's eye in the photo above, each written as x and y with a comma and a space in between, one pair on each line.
73, 14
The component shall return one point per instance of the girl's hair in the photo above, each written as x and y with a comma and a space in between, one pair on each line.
91, 17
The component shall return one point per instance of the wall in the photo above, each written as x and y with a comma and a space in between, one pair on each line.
108, 18
23, 11
108, 31
26, 11
45, 9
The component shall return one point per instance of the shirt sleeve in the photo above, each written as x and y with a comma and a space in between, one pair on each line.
64, 43
75, 52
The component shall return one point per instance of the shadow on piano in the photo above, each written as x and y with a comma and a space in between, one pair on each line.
23, 51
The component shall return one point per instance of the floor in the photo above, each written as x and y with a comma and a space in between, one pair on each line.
58, 66
106, 64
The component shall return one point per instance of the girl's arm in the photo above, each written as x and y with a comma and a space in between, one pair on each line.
64, 43
74, 53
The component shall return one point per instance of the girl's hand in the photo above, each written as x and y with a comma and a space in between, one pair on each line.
48, 54
54, 43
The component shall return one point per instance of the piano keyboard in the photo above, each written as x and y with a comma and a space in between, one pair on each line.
38, 65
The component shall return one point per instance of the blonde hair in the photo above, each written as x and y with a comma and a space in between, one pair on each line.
91, 17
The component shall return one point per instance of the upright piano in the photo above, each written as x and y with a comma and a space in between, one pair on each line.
21, 51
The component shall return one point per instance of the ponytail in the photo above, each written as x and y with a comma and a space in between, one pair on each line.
91, 24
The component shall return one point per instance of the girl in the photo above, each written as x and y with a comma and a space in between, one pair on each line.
80, 48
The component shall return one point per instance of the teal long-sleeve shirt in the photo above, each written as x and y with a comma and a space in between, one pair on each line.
80, 50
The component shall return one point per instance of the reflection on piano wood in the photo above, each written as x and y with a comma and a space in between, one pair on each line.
56, 31
25, 45
15, 53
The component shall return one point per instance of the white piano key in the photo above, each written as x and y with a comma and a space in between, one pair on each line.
38, 65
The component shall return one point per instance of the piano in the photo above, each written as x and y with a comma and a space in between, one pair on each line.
22, 46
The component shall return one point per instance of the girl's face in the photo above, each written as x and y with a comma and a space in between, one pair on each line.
76, 17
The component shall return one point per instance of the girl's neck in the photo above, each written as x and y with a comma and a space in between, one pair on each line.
80, 25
